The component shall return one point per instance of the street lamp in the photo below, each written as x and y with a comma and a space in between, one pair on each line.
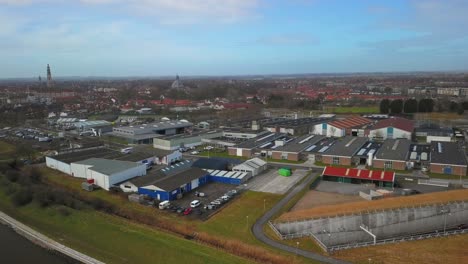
247, 217
264, 205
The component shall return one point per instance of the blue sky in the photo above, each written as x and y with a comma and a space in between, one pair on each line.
230, 37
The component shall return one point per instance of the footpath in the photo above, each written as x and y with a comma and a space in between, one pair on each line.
44, 241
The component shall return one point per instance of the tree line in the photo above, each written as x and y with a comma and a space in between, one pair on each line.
410, 106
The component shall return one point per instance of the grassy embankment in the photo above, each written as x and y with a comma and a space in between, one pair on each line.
230, 223
6, 151
112, 239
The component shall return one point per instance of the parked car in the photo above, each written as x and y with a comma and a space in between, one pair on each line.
195, 152
209, 148
188, 211
225, 197
180, 210
195, 203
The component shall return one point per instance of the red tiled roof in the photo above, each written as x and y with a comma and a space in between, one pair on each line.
376, 175
396, 122
356, 121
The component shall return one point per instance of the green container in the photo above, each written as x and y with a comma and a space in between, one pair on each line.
284, 172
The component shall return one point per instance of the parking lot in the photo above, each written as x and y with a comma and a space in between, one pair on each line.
271, 182
211, 191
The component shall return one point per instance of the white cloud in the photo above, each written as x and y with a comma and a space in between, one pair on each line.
171, 11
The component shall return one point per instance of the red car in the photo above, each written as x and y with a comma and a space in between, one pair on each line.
188, 211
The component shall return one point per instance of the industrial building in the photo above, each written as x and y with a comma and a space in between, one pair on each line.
392, 128
106, 173
393, 155
168, 187
295, 150
434, 132
447, 158
343, 150
144, 134
352, 126
358, 176
366, 153
298, 126
186, 140
419, 155
315, 151
228, 177
262, 141
252, 166
99, 126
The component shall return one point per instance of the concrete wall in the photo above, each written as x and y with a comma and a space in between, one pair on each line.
385, 224
58, 165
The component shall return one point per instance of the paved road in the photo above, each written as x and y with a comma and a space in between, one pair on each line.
257, 228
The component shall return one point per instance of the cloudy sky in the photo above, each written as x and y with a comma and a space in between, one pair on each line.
224, 37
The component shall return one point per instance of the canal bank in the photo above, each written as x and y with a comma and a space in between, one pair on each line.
45, 242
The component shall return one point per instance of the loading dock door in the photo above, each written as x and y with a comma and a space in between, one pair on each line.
448, 170
194, 184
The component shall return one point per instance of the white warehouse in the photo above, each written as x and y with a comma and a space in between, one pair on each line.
107, 173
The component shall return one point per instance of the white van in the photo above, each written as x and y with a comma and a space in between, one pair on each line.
195, 203
164, 204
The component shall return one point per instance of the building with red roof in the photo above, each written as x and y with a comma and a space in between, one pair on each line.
391, 128
358, 176
353, 126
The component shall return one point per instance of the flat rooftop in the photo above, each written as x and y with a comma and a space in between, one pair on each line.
394, 149
447, 153
369, 147
109, 167
322, 145
291, 123
346, 146
80, 155
419, 152
261, 140
300, 144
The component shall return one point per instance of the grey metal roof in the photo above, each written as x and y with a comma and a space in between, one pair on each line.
394, 149
292, 123
152, 128
369, 147
86, 154
447, 153
346, 146
171, 182
260, 140
109, 167
300, 144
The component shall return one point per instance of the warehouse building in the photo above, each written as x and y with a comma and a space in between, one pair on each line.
298, 126
263, 141
314, 152
228, 177
447, 158
352, 126
252, 166
393, 155
294, 150
100, 126
62, 162
192, 139
144, 134
357, 176
170, 187
342, 152
392, 128
365, 154
419, 155
107, 173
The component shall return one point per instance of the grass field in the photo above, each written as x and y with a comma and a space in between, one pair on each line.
6, 150
437, 250
352, 109
230, 223
113, 240
395, 202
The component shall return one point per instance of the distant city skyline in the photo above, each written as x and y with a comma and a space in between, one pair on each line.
118, 38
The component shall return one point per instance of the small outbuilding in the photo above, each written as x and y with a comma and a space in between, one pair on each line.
252, 166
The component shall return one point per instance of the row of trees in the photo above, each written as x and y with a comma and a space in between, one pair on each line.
410, 106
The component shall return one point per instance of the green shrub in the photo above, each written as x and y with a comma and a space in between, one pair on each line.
22, 197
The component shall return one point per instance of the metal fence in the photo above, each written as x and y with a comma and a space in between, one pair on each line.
391, 240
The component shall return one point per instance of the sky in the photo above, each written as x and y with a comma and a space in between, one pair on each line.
230, 37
